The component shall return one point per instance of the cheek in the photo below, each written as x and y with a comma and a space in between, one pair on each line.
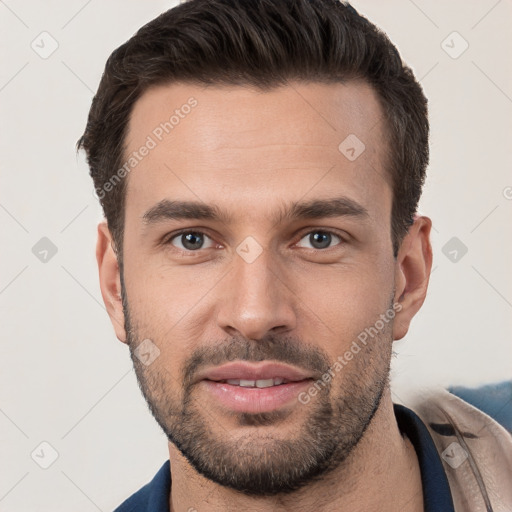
168, 303
342, 303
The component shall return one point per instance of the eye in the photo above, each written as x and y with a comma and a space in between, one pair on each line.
191, 241
319, 239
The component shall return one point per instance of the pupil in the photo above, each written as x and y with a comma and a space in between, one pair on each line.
191, 241
320, 240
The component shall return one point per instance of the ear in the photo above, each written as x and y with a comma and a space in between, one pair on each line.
412, 273
110, 280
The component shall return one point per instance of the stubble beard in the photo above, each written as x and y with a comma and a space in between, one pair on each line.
260, 462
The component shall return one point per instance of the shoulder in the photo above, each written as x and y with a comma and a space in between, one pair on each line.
152, 497
475, 449
493, 399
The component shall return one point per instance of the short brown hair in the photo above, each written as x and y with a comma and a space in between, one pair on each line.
261, 43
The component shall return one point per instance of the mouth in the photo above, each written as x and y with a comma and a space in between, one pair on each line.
245, 387
244, 373
246, 396
260, 383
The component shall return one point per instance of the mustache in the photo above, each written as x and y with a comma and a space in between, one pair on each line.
284, 349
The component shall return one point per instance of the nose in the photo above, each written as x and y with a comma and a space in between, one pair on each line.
256, 299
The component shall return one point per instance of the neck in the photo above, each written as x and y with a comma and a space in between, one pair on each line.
381, 474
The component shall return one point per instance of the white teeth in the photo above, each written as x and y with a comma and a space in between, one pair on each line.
261, 383
264, 383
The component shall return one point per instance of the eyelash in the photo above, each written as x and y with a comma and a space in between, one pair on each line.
168, 240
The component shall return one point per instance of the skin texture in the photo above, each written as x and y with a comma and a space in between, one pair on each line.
251, 154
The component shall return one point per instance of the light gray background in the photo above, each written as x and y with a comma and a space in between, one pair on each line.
67, 381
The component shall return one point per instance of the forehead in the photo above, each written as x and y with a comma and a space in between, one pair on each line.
250, 145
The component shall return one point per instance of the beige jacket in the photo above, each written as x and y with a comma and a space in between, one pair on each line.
476, 452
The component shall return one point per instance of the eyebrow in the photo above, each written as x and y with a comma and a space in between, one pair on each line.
299, 210
319, 208
179, 210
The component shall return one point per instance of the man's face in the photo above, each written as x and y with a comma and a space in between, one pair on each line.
285, 256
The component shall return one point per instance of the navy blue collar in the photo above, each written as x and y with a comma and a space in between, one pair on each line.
154, 496
436, 489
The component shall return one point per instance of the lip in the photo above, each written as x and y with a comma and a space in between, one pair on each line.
254, 400
251, 371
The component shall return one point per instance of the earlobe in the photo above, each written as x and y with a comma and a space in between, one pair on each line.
412, 273
110, 280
